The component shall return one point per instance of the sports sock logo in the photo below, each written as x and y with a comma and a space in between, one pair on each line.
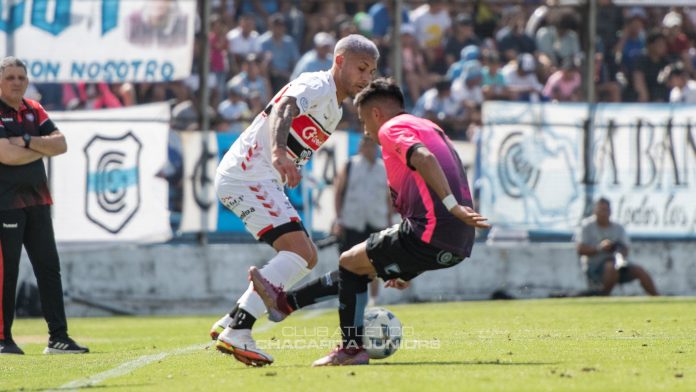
9, 225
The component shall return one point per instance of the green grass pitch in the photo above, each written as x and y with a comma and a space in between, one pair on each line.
599, 344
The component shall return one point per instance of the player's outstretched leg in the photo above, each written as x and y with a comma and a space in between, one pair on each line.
280, 304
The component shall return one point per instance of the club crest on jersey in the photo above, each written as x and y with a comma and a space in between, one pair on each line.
29, 116
113, 180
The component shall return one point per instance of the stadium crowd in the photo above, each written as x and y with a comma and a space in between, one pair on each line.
455, 55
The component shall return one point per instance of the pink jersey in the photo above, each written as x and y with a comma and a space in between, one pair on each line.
417, 203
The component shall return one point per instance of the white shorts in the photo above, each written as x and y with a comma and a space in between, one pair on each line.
262, 205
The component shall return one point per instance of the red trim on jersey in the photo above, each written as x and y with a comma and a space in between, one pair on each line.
309, 132
294, 219
264, 230
38, 109
281, 93
2, 288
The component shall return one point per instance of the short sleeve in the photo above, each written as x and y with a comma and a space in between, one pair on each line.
399, 141
46, 125
308, 93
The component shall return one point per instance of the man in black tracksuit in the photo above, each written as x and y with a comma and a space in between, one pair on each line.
26, 136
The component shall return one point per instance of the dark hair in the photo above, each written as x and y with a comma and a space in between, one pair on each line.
11, 61
604, 200
653, 36
381, 88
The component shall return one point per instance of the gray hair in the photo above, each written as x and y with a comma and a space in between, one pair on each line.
11, 61
356, 43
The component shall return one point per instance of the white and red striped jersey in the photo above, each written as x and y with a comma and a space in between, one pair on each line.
249, 158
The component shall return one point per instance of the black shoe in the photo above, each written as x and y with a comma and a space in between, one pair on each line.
8, 346
64, 346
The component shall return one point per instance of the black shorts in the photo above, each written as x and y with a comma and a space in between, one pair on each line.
397, 253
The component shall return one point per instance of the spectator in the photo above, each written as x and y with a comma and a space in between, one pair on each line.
89, 96
632, 41
462, 37
521, 78
259, 10
234, 110
468, 53
514, 41
438, 106
250, 79
646, 84
243, 40
362, 201
467, 88
565, 84
218, 52
603, 247
558, 40
381, 13
413, 64
431, 22
678, 44
683, 87
280, 51
493, 84
318, 59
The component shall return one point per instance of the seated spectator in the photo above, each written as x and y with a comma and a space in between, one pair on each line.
462, 36
468, 53
632, 41
250, 79
318, 59
438, 105
493, 84
185, 115
513, 41
467, 88
280, 51
683, 87
565, 84
603, 248
558, 40
234, 110
678, 44
243, 40
645, 77
520, 77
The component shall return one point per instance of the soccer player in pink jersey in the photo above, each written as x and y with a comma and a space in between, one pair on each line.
429, 189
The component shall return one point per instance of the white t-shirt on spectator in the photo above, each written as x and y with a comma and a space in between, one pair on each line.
518, 82
462, 93
430, 28
684, 95
241, 45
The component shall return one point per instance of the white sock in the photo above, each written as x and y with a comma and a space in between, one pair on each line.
285, 269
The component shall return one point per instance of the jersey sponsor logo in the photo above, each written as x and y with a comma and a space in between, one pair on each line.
9, 225
309, 132
113, 180
6, 119
246, 213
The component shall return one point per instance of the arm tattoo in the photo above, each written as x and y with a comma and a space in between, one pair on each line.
281, 119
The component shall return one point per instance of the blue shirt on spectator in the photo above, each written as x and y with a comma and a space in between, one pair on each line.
310, 62
381, 19
284, 54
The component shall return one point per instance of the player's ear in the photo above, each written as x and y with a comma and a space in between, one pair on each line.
339, 60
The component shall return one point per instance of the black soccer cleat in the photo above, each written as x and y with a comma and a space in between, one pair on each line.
8, 346
64, 346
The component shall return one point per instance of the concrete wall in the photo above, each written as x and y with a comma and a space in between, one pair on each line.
175, 279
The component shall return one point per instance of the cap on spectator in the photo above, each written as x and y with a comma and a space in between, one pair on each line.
323, 39
408, 29
526, 62
470, 52
464, 20
636, 12
672, 19
472, 70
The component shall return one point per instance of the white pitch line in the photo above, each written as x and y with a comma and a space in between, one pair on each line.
125, 368
131, 366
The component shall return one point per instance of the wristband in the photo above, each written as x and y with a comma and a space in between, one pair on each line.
450, 202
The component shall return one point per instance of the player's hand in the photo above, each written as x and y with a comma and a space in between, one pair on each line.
286, 167
397, 283
17, 141
606, 245
470, 217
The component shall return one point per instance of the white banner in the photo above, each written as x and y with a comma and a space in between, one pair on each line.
530, 174
106, 186
100, 40
645, 162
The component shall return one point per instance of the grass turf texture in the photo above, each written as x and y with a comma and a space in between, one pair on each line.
600, 344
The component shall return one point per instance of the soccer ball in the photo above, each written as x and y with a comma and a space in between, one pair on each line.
382, 335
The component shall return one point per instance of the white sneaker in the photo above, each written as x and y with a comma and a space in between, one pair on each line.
220, 326
240, 344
